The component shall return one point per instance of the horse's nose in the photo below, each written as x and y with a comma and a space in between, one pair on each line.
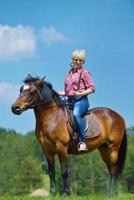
15, 109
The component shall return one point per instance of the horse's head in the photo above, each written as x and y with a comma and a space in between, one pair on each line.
33, 92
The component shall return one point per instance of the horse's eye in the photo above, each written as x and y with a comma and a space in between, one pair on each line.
32, 92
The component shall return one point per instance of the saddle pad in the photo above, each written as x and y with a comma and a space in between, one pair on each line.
94, 127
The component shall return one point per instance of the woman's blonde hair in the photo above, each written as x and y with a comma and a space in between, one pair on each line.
80, 53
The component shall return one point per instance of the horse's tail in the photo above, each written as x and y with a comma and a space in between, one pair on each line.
122, 154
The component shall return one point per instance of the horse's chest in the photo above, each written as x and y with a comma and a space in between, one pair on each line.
49, 123
46, 130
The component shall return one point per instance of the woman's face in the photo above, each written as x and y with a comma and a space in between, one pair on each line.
77, 61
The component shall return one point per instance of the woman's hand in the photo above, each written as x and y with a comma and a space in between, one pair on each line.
80, 93
77, 93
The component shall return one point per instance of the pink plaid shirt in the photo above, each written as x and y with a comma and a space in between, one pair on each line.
72, 79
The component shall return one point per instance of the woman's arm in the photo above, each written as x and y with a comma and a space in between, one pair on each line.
83, 93
61, 93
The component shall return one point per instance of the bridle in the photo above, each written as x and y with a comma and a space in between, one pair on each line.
31, 103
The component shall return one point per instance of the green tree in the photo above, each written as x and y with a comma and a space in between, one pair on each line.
15, 151
29, 176
128, 178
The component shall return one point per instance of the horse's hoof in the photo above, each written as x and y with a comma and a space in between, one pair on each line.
51, 195
66, 193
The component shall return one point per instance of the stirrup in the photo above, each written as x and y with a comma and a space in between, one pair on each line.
86, 128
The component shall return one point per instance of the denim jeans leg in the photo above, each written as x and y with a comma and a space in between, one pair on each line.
80, 109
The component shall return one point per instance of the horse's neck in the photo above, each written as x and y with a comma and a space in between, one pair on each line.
47, 119
45, 111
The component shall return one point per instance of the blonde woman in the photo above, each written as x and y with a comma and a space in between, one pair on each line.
78, 85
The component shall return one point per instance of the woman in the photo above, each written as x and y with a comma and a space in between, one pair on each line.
77, 86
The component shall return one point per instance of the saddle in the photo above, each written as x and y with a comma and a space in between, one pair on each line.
93, 127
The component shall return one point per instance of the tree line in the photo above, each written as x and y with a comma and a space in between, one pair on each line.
23, 167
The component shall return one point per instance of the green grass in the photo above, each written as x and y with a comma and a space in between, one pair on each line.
123, 196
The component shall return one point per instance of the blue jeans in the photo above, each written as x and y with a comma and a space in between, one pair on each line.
80, 107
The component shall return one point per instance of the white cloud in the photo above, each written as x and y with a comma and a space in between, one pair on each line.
50, 35
17, 42
8, 92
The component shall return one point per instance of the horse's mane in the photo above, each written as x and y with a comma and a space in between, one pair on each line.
30, 79
47, 91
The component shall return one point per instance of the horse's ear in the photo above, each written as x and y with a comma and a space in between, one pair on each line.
43, 78
28, 77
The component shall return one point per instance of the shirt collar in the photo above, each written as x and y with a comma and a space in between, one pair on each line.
77, 69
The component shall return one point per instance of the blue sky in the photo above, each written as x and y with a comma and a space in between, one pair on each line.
38, 37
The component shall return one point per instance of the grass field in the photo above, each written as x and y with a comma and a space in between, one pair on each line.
123, 196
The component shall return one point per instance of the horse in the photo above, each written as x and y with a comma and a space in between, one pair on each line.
52, 131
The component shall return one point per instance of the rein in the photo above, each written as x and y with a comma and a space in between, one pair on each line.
31, 103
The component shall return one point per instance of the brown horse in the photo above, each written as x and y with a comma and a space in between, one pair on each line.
53, 135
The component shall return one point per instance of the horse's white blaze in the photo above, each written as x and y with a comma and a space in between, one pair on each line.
26, 87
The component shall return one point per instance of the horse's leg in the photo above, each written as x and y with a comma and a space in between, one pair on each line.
110, 158
117, 149
62, 154
105, 155
113, 190
51, 172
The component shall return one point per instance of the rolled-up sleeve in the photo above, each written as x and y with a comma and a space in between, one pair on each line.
87, 78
